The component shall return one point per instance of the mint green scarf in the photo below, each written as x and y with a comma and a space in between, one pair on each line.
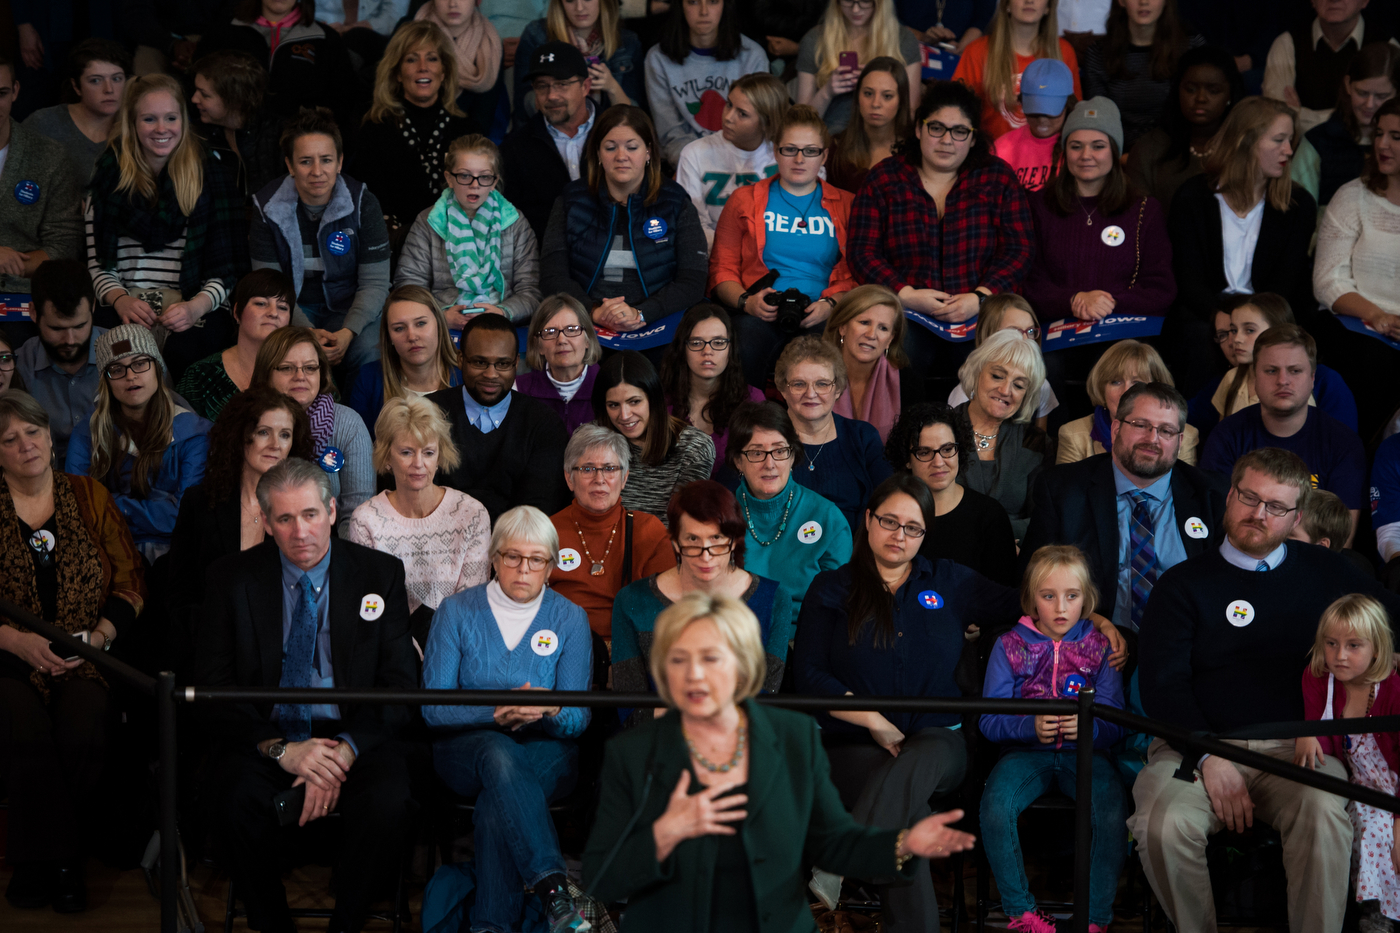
474, 245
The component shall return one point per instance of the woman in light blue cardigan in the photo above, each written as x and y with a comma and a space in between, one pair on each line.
511, 634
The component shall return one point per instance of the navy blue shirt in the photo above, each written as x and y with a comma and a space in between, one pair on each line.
1334, 454
845, 471
958, 15
931, 610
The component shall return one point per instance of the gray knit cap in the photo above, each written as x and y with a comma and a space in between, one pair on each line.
1096, 113
127, 340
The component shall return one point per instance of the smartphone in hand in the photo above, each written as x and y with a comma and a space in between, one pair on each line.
848, 60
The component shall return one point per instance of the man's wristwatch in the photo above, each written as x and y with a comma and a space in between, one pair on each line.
276, 750
981, 297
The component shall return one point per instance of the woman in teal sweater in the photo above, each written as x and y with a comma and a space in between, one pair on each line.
708, 537
792, 533
709, 815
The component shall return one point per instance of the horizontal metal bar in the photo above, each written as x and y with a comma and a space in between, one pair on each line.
104, 661
603, 699
1196, 743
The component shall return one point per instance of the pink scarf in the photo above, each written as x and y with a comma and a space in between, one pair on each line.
880, 406
478, 49
286, 22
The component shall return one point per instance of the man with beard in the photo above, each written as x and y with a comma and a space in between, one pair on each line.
1285, 366
545, 153
1223, 644
1135, 511
59, 367
512, 445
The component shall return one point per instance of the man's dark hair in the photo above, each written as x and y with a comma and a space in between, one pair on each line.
97, 50
1163, 393
310, 121
485, 322
63, 283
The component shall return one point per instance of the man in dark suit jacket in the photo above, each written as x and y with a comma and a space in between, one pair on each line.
1090, 504
512, 445
306, 609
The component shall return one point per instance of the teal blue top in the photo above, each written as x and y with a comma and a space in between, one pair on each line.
815, 537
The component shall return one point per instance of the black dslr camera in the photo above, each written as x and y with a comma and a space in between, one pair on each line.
792, 308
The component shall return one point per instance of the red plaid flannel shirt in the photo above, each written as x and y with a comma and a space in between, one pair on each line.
986, 236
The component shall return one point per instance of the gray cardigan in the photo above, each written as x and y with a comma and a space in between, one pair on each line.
51, 219
423, 261
355, 481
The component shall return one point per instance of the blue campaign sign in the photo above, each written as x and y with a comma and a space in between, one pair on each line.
14, 307
656, 334
954, 333
939, 61
1074, 333
1353, 324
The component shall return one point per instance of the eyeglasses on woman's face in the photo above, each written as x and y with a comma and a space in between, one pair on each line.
513, 560
810, 152
1030, 333
7, 362
890, 523
947, 452
467, 179
291, 369
800, 386
117, 370
550, 334
587, 471
960, 133
758, 456
713, 550
698, 344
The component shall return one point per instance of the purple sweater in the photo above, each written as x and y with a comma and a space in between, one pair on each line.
1072, 256
578, 410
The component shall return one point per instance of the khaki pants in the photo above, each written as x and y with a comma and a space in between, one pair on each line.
1174, 819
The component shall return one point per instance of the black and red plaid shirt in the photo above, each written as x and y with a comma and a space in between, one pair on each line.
986, 236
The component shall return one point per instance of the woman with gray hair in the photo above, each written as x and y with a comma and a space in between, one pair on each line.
563, 353
511, 634
1002, 380
753, 777
440, 534
602, 546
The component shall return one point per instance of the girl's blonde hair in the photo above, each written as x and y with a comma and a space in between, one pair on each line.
1121, 359
999, 80
1232, 164
769, 98
994, 309
859, 300
1366, 617
475, 144
1046, 561
392, 366
113, 437
556, 25
388, 92
422, 421
736, 623
1009, 349
186, 163
881, 39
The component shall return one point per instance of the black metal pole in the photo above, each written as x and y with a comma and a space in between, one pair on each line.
169, 828
1083, 808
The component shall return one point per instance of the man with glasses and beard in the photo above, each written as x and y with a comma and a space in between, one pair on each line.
1223, 643
512, 445
1135, 511
59, 366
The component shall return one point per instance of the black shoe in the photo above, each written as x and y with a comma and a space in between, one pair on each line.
32, 885
71, 897
559, 907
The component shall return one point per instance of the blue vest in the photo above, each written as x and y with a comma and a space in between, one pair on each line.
651, 233
277, 207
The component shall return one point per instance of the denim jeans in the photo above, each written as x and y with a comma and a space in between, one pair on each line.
364, 347
1019, 778
514, 776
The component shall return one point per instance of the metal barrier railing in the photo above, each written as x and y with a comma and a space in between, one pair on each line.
166, 695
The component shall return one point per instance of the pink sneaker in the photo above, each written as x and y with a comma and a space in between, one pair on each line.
1033, 921
1095, 928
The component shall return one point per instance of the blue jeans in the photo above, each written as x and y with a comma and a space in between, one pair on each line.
364, 348
1019, 778
514, 776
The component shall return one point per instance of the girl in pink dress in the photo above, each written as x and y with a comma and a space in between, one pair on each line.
1352, 674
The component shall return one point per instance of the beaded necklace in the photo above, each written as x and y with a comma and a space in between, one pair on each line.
748, 519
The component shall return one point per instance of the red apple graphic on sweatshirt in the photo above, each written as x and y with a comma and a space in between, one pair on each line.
709, 112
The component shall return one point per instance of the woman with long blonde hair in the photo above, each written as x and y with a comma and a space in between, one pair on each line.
416, 354
168, 239
1240, 227
594, 27
139, 443
1019, 33
867, 28
412, 118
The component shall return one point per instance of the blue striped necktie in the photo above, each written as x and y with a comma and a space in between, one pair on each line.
1261, 566
297, 657
1142, 556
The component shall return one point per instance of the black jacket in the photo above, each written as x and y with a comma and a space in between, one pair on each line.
535, 172
519, 463
202, 535
239, 642
1281, 261
1075, 503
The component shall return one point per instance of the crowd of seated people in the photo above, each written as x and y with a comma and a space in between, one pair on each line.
431, 344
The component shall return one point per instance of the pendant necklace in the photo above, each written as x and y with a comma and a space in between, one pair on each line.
984, 440
748, 519
596, 569
727, 766
1088, 222
812, 464
811, 199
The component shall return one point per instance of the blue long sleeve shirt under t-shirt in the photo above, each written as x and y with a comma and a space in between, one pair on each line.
466, 652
